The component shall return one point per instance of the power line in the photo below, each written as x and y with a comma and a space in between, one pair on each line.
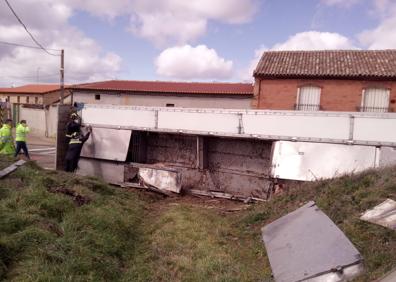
24, 26
26, 46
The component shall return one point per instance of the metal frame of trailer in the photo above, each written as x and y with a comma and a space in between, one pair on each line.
372, 129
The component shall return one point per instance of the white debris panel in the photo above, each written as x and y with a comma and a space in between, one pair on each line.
11, 168
161, 178
305, 245
384, 214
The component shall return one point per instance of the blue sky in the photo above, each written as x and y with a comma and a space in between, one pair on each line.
217, 40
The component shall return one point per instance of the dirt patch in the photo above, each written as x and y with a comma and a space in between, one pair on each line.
78, 199
219, 206
52, 227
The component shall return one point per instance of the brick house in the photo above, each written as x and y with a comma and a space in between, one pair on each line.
344, 80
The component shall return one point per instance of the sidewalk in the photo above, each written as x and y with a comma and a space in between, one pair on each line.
42, 150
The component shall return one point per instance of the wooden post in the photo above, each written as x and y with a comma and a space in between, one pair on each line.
61, 146
202, 153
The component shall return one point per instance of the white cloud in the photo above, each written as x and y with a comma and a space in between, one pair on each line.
382, 37
180, 29
171, 21
180, 21
190, 63
49, 23
340, 3
247, 73
384, 8
315, 40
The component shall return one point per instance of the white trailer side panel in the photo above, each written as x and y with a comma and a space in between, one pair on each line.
375, 129
312, 161
292, 125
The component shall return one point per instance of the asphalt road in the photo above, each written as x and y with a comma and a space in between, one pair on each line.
42, 150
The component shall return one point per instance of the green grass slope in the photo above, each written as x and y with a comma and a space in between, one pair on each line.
59, 227
343, 200
50, 236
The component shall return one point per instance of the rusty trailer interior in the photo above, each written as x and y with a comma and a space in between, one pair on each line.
239, 167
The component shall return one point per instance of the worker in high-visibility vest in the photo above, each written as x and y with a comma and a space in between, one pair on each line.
20, 138
74, 149
6, 141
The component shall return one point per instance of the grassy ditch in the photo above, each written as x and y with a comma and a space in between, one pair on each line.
343, 200
59, 227
47, 235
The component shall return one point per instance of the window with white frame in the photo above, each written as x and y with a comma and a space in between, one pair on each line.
308, 98
375, 100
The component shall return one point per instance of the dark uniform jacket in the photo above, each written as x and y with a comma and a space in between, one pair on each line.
75, 146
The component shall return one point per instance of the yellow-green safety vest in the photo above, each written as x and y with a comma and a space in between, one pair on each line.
20, 133
6, 143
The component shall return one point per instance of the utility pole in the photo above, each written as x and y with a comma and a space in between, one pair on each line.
62, 77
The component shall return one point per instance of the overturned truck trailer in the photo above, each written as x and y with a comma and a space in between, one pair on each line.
237, 152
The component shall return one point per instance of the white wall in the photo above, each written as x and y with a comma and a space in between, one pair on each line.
40, 121
35, 119
52, 120
156, 100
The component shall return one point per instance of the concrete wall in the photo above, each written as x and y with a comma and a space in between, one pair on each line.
35, 118
158, 100
41, 121
52, 120
336, 95
236, 166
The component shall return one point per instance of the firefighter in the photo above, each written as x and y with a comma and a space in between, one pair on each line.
74, 125
76, 143
6, 142
20, 138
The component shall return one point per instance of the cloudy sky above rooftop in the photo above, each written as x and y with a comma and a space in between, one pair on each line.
195, 40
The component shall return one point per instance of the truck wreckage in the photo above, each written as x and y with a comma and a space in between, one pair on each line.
232, 153
242, 155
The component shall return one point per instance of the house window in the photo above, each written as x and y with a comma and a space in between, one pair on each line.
36, 100
170, 105
375, 100
18, 99
308, 98
97, 96
27, 99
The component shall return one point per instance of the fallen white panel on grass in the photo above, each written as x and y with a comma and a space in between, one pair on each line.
305, 245
163, 179
11, 168
384, 214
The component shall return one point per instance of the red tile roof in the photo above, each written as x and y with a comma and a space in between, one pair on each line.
328, 64
31, 89
170, 87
